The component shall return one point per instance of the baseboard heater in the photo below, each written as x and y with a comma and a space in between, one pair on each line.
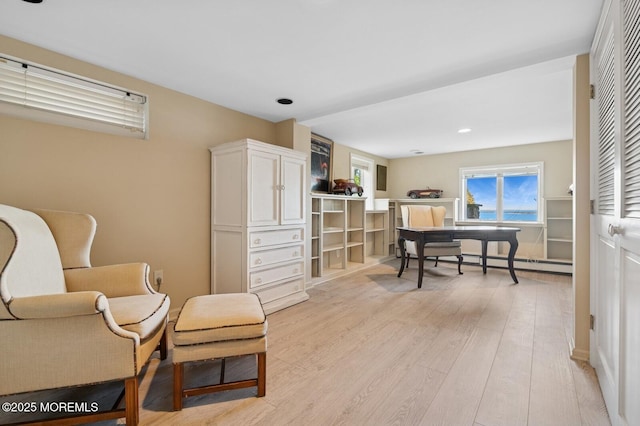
540, 265
500, 262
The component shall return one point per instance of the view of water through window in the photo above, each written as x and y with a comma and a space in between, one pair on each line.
519, 198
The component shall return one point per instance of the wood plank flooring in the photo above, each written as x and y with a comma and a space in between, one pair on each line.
373, 349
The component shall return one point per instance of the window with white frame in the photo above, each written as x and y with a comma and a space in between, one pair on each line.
362, 174
509, 193
45, 94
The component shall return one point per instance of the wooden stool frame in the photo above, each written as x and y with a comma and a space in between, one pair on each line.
178, 382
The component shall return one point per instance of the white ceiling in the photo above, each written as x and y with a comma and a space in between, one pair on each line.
380, 76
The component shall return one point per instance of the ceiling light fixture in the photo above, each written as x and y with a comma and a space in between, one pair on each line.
465, 130
33, 1
285, 101
416, 152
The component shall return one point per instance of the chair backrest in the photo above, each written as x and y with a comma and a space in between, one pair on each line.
418, 216
29, 259
73, 233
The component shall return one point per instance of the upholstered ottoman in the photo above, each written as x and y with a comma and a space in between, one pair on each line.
219, 326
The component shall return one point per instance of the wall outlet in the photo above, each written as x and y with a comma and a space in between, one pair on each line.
158, 278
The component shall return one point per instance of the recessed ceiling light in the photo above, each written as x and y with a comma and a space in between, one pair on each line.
33, 1
416, 152
285, 101
465, 130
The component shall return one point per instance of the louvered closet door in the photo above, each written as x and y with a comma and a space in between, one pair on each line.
629, 226
605, 294
615, 280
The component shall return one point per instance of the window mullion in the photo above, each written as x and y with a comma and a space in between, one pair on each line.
499, 197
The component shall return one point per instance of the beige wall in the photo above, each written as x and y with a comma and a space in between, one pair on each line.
442, 171
150, 197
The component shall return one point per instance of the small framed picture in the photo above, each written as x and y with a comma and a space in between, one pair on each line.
381, 177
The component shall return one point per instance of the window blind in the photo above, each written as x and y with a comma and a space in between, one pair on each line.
36, 92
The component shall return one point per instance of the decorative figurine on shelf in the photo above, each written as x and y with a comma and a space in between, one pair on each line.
347, 187
424, 193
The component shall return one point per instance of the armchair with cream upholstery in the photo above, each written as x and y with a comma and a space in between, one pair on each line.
64, 323
427, 216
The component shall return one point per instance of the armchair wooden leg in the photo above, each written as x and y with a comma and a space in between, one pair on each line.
460, 265
436, 264
131, 401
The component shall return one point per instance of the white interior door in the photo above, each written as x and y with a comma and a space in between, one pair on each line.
615, 257
605, 292
628, 228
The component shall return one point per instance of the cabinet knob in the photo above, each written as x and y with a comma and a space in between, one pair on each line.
296, 236
257, 241
295, 270
613, 230
258, 280
258, 261
296, 254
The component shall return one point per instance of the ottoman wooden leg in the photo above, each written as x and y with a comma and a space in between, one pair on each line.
178, 376
262, 374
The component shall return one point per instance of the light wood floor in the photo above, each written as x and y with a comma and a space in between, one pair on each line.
372, 349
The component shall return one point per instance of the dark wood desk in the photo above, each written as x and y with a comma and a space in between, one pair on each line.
421, 236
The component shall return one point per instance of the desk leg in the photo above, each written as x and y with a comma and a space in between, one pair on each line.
485, 243
513, 246
420, 249
401, 244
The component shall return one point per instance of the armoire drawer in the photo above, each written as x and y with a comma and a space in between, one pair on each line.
269, 257
279, 291
276, 237
267, 276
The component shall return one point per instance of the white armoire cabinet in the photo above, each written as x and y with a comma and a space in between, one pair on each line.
258, 222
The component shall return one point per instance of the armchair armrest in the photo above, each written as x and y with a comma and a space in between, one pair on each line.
58, 305
65, 339
127, 279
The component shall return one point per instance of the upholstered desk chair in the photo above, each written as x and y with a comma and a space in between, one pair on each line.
64, 323
428, 216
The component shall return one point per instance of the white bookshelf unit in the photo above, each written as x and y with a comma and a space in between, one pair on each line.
376, 226
559, 229
344, 236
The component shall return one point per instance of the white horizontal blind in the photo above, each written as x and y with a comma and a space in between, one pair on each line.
632, 109
605, 98
27, 87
